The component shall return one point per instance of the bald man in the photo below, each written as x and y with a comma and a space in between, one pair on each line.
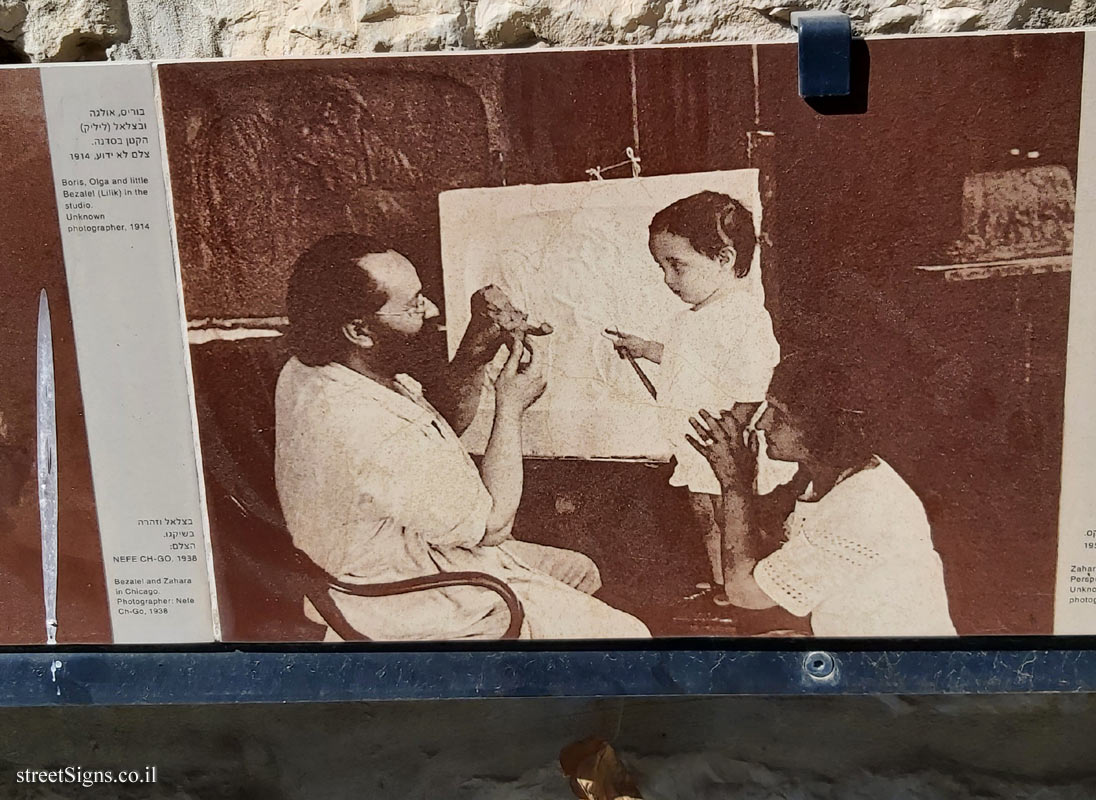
375, 484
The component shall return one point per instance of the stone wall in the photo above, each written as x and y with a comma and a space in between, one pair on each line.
70, 30
1036, 747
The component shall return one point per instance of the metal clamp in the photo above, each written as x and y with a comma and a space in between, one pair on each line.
825, 53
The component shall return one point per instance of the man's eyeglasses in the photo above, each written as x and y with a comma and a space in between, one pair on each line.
419, 309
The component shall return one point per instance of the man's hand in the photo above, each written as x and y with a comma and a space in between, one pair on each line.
517, 386
482, 339
495, 321
720, 441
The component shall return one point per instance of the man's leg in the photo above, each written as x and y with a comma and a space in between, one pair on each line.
556, 611
567, 566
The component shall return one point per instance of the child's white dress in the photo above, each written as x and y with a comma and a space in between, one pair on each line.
715, 355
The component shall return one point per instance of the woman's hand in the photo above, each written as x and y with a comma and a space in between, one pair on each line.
519, 386
721, 441
742, 413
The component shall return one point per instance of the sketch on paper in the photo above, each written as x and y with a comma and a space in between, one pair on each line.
576, 256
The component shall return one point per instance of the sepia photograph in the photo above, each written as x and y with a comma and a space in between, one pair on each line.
630, 342
579, 257
51, 570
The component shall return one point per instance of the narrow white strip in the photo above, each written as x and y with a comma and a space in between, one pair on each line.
105, 150
1075, 595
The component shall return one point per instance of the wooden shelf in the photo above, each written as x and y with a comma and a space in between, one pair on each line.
1003, 269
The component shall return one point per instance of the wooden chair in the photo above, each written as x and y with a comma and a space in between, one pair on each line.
262, 578
316, 585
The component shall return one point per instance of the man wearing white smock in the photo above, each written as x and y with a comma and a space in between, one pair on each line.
374, 483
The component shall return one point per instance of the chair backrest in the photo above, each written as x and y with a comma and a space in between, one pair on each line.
261, 578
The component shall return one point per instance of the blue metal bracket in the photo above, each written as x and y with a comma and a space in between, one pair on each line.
44, 677
825, 53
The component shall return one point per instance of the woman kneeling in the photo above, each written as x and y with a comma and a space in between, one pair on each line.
855, 548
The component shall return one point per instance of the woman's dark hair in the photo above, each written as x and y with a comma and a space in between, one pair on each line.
819, 395
327, 289
711, 221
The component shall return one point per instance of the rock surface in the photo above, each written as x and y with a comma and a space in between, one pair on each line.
70, 30
1035, 747
61, 30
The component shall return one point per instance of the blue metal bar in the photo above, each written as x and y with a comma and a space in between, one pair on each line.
43, 678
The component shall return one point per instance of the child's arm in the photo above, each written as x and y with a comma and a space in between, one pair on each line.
637, 346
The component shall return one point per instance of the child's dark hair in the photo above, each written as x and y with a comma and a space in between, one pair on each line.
711, 221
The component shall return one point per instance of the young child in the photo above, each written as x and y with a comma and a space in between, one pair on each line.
719, 351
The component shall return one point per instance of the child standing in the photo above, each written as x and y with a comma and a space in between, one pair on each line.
717, 352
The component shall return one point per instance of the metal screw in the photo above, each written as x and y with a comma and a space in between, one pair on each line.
819, 665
